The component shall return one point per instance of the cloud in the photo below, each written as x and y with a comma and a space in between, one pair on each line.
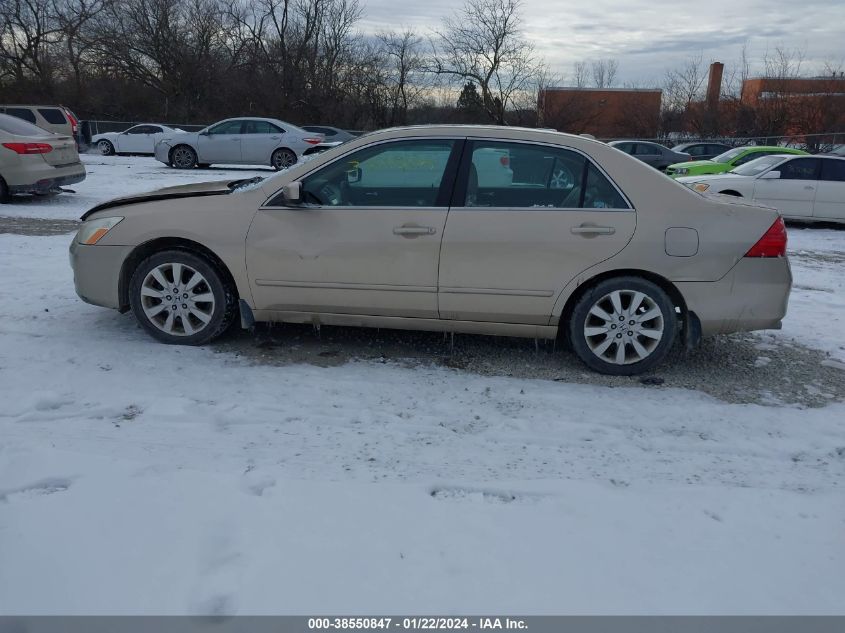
649, 37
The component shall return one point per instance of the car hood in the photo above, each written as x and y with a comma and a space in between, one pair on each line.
709, 178
215, 188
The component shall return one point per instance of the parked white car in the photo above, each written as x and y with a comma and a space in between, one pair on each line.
241, 141
809, 188
139, 139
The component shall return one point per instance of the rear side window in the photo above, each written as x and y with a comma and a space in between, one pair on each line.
833, 170
646, 150
519, 175
799, 169
53, 116
21, 113
259, 127
16, 126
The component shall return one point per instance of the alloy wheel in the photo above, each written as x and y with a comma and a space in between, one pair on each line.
177, 299
624, 327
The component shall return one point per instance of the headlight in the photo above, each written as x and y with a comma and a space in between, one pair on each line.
701, 187
93, 231
681, 171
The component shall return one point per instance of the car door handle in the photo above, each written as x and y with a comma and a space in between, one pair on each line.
274, 138
592, 230
809, 187
413, 231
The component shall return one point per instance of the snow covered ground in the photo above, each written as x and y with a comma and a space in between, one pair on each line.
142, 478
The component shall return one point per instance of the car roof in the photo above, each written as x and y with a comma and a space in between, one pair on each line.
504, 132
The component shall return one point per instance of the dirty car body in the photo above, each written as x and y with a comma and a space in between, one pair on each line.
488, 230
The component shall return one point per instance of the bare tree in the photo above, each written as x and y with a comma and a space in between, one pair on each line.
405, 68
483, 43
604, 72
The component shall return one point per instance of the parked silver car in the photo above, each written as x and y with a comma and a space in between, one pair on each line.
33, 160
241, 141
138, 139
653, 154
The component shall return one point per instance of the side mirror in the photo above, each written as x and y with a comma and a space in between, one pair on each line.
293, 193
203, 132
770, 175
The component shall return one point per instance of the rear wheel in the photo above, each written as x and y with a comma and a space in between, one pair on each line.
282, 159
4, 191
105, 147
183, 157
623, 326
181, 298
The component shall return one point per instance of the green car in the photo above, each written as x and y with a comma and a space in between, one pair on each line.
723, 163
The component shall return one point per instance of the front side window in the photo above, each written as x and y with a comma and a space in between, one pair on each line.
396, 174
227, 127
696, 150
521, 175
138, 129
799, 169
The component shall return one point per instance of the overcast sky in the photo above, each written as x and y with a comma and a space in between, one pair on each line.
648, 37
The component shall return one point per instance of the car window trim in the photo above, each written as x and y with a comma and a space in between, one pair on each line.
460, 140
458, 200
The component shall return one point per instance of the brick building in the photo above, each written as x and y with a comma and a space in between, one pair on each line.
603, 112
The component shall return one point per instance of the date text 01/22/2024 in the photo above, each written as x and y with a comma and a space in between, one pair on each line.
419, 623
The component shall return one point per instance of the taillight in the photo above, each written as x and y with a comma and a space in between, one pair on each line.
29, 148
74, 124
313, 141
773, 242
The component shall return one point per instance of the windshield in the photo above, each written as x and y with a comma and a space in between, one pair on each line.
756, 166
729, 155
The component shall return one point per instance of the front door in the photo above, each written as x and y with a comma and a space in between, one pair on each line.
525, 219
367, 238
794, 192
221, 143
830, 196
135, 140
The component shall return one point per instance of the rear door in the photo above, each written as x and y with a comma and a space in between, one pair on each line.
525, 219
259, 140
794, 193
222, 143
649, 154
830, 194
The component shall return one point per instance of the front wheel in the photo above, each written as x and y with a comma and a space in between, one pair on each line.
181, 298
623, 326
183, 157
283, 159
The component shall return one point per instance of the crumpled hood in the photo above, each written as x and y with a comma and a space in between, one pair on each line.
215, 188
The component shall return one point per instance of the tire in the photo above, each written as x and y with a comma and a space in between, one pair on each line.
601, 320
194, 322
4, 191
283, 159
106, 148
183, 157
